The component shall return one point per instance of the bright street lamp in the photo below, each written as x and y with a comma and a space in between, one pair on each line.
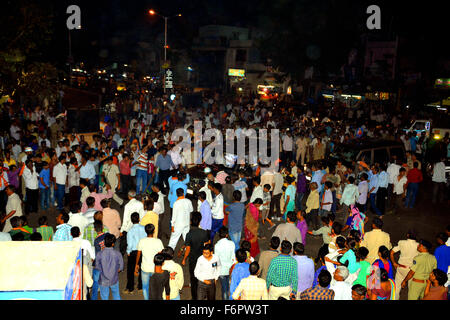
153, 12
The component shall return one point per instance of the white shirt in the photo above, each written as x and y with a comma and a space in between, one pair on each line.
398, 185
217, 207
31, 179
78, 220
207, 269
287, 143
408, 251
393, 171
225, 250
132, 206
14, 203
60, 173
181, 214
342, 290
149, 248
86, 246
439, 172
159, 205
328, 199
258, 192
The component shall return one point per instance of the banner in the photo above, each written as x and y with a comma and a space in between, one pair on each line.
74, 283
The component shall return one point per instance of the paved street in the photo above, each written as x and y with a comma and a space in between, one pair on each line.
426, 218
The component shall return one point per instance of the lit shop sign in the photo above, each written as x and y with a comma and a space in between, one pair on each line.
262, 89
236, 72
442, 83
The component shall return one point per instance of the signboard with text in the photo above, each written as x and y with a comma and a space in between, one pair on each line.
236, 72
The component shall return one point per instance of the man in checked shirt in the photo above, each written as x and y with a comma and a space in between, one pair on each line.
282, 277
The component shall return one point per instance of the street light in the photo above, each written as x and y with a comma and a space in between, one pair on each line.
153, 12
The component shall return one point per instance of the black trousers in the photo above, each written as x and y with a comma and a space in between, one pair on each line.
131, 264
207, 291
164, 178
125, 182
275, 206
194, 282
31, 204
3, 201
381, 199
312, 219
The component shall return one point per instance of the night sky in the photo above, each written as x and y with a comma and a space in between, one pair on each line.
112, 28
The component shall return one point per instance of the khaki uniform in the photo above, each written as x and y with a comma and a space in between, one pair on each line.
422, 266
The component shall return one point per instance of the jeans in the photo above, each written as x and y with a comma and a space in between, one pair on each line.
145, 283
149, 182
216, 224
141, 181
236, 238
225, 286
104, 292
59, 195
373, 205
44, 197
411, 193
94, 290
298, 200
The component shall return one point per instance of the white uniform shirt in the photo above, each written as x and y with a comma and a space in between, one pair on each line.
439, 172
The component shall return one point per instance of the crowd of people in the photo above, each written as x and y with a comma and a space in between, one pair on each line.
126, 191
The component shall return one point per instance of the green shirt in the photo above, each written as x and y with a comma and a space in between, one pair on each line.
324, 231
90, 234
46, 233
283, 272
363, 273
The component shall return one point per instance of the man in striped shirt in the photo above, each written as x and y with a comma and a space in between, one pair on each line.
282, 276
252, 287
141, 171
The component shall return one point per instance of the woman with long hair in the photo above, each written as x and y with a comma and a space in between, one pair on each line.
384, 261
251, 226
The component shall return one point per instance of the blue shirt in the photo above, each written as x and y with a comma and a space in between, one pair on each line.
413, 142
305, 268
45, 175
442, 254
164, 163
350, 256
205, 210
174, 184
317, 178
109, 262
235, 216
373, 183
63, 233
383, 179
316, 277
240, 271
134, 235
87, 171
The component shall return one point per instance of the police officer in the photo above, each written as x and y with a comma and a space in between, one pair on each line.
420, 271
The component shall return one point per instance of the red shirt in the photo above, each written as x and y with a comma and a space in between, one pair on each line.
414, 176
125, 168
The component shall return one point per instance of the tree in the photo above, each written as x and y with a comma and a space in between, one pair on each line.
26, 29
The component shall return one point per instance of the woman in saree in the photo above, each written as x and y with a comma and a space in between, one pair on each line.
251, 226
384, 262
385, 287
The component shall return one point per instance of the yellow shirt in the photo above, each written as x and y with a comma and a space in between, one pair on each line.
313, 201
153, 218
373, 240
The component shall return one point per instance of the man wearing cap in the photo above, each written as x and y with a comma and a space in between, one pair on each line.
420, 271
